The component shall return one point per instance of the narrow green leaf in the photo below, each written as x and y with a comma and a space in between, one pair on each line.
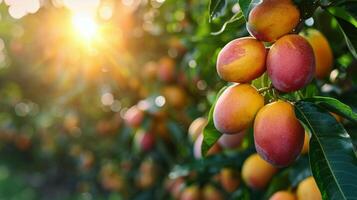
246, 6
348, 27
237, 19
332, 159
335, 106
210, 133
216, 8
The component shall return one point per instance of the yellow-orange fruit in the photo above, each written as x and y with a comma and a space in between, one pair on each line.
227, 141
308, 190
211, 193
283, 195
241, 60
191, 193
236, 108
322, 51
278, 135
198, 144
305, 148
291, 63
197, 127
175, 96
256, 172
272, 19
229, 179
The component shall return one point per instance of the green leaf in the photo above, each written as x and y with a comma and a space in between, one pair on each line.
332, 159
347, 24
246, 6
334, 106
237, 20
216, 8
210, 133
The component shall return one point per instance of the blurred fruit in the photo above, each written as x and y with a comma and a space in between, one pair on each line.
166, 70
175, 96
134, 116
233, 141
144, 141
191, 193
241, 60
23, 142
175, 186
271, 19
236, 108
229, 179
278, 134
322, 51
283, 195
197, 148
147, 176
209, 192
291, 63
196, 128
308, 190
256, 172
149, 70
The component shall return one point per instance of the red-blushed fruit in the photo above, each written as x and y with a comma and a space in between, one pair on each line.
196, 127
308, 190
209, 192
256, 172
175, 186
291, 63
166, 70
134, 116
305, 148
191, 193
278, 135
197, 148
233, 141
236, 108
322, 51
229, 179
241, 60
144, 141
283, 195
271, 19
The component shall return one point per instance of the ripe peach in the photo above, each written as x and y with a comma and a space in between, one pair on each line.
232, 141
283, 195
211, 193
241, 60
134, 116
271, 19
236, 108
256, 172
308, 190
291, 63
322, 51
197, 148
191, 193
305, 148
229, 179
278, 135
166, 70
197, 127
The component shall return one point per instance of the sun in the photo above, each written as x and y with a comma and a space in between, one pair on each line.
85, 26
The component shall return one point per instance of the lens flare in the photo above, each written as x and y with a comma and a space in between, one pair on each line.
85, 26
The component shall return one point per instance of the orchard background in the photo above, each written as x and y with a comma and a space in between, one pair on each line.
107, 99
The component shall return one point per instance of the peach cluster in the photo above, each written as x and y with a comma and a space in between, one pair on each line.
291, 63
